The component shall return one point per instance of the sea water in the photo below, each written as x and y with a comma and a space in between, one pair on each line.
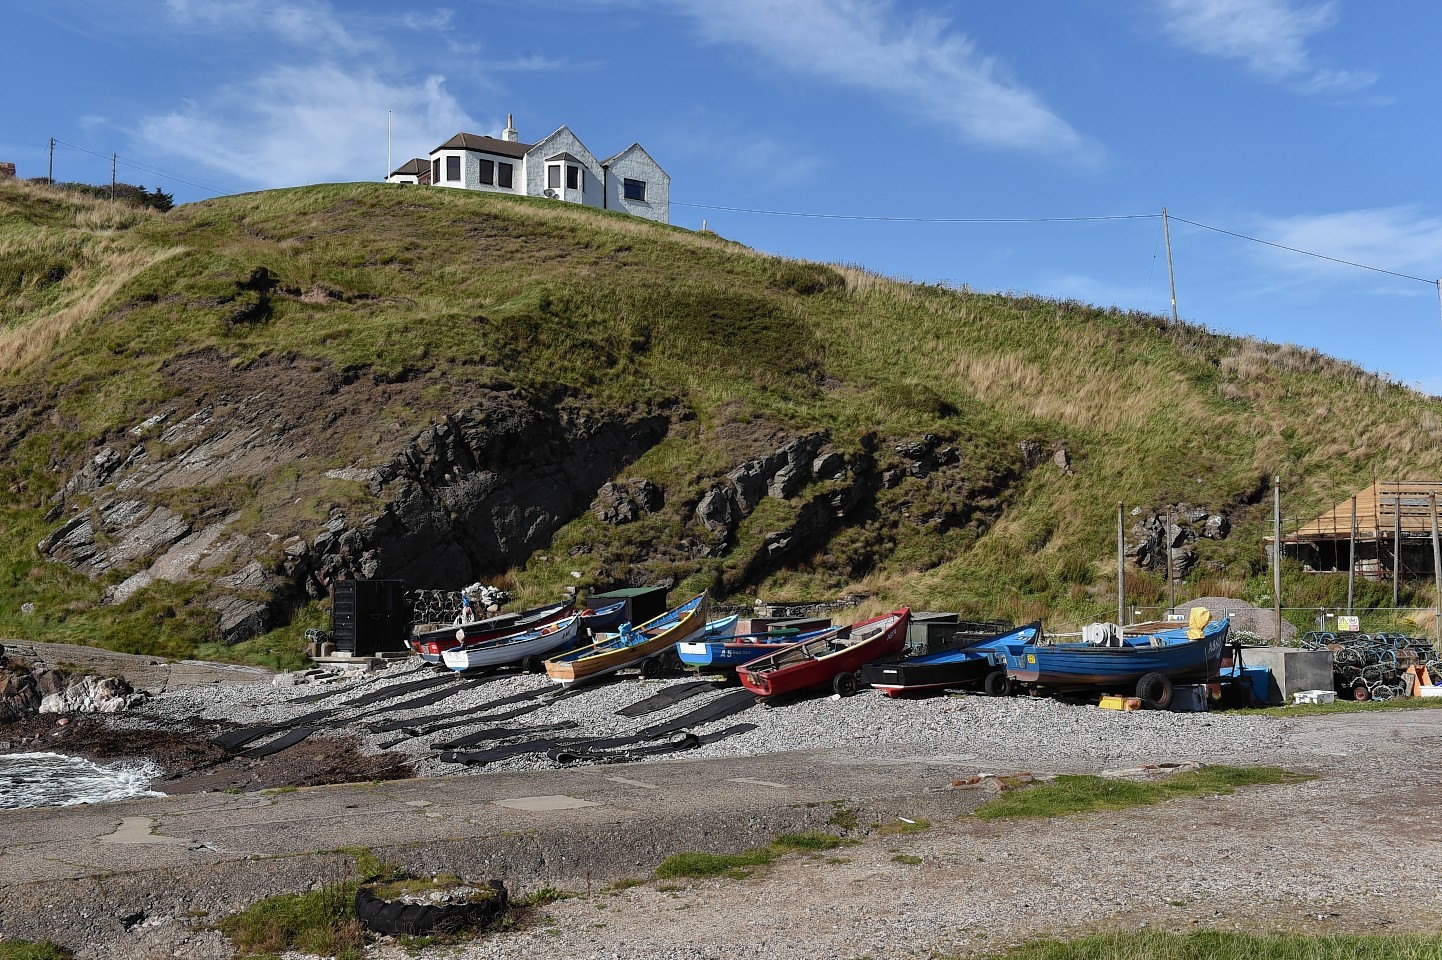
55, 780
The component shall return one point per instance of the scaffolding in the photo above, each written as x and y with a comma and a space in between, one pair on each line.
1385, 530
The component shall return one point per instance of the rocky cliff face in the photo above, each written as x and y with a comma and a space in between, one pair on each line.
222, 489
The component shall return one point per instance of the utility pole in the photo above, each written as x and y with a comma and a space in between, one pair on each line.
1277, 555
1171, 584
1171, 275
389, 168
1396, 542
50, 177
1436, 566
112, 178
1121, 569
1352, 556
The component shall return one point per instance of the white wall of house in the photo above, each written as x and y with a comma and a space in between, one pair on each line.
402, 178
634, 163
473, 172
440, 177
590, 190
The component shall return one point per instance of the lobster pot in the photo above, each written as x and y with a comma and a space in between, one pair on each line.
369, 616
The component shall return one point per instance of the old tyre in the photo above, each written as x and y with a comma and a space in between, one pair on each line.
651, 668
417, 919
1155, 691
996, 684
844, 684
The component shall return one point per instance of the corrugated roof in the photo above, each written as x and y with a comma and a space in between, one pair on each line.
1381, 508
470, 141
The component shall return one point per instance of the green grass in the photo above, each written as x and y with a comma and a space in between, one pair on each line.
427, 299
1344, 706
903, 827
1223, 945
1069, 794
906, 859
694, 865
812, 842
33, 950
320, 922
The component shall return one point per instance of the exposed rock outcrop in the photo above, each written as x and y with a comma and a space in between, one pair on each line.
24, 691
1154, 535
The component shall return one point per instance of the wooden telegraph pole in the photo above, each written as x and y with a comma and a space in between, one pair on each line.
1171, 275
1352, 556
1121, 569
1277, 555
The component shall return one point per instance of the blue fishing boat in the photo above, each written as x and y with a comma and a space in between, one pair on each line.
974, 661
632, 645
713, 655
1150, 662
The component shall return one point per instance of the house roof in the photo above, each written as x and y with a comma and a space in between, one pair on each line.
411, 168
635, 146
565, 156
470, 141
1381, 508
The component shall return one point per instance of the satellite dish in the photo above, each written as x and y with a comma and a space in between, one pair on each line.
548, 193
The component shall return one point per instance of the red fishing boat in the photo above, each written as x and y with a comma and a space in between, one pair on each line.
828, 659
433, 643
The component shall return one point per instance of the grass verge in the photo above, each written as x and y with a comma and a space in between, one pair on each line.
1343, 706
32, 950
1078, 794
1223, 945
691, 864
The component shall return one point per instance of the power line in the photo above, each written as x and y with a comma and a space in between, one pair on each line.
210, 189
846, 216
1308, 253
1127, 216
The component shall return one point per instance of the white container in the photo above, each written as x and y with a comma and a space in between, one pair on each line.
1431, 690
1314, 696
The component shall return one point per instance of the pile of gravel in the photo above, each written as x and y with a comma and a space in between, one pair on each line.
1245, 617
1034, 733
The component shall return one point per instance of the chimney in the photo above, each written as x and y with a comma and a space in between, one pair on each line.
510, 133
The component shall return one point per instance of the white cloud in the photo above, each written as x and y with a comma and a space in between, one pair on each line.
1398, 239
306, 23
1270, 37
306, 125
917, 62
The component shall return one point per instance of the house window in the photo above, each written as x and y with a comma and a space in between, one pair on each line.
503, 175
633, 189
453, 168
435, 171
553, 175
487, 172
573, 178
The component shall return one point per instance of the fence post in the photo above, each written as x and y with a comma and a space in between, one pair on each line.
1121, 569
1436, 567
1352, 556
1277, 556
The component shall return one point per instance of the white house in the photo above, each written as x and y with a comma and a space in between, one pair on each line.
558, 166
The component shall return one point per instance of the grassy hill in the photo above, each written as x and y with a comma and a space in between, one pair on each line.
415, 303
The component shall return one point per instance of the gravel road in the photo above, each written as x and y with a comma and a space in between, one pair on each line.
1353, 850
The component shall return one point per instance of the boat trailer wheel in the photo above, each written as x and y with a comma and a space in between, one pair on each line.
996, 684
844, 684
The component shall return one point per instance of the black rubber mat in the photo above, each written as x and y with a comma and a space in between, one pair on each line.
500, 733
391, 692
281, 743
582, 753
482, 757
317, 697
736, 729
238, 738
670, 696
718, 709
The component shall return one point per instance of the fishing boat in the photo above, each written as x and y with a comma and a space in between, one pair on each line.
1149, 662
829, 659
527, 647
432, 643
725, 655
631, 645
596, 620
976, 661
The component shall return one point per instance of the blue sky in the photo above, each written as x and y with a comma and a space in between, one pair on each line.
1307, 124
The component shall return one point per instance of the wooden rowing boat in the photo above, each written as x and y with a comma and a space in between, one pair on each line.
829, 659
630, 646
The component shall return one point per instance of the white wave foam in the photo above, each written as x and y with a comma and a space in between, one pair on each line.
57, 780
